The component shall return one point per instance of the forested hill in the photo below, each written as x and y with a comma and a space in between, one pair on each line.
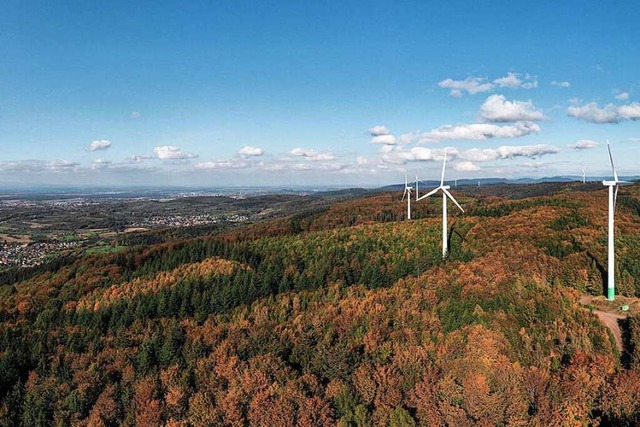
340, 315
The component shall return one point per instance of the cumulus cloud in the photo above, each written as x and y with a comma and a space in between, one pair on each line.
517, 81
497, 109
507, 152
562, 84
466, 167
381, 135
379, 130
594, 114
478, 131
622, 96
584, 144
312, 154
467, 158
171, 152
630, 111
249, 151
384, 139
609, 113
400, 155
101, 144
472, 85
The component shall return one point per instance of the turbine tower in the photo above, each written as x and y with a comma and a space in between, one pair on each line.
584, 177
407, 194
445, 193
613, 195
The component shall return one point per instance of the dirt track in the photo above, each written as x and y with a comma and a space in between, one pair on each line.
610, 320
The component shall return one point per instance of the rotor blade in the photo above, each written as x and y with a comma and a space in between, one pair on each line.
405, 179
404, 194
452, 199
615, 196
615, 174
430, 193
444, 163
417, 180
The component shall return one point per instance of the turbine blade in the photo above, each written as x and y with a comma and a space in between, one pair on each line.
452, 199
417, 180
430, 193
405, 179
404, 194
615, 196
444, 164
613, 167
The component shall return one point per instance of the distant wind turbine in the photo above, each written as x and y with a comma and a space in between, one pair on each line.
584, 177
407, 194
445, 194
613, 195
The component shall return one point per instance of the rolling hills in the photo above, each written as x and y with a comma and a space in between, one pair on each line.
338, 315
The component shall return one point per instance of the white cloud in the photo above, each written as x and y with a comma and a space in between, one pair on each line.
562, 84
171, 152
584, 144
379, 130
466, 167
517, 81
398, 155
622, 96
101, 164
312, 154
38, 166
250, 151
384, 139
478, 131
427, 154
61, 165
136, 115
102, 144
139, 158
507, 152
497, 109
609, 113
472, 85
511, 80
630, 111
222, 164
594, 114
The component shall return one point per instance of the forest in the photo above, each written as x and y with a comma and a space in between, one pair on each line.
342, 315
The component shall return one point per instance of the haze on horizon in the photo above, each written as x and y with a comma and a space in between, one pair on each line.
350, 93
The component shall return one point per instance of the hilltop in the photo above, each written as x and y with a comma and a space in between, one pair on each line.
340, 314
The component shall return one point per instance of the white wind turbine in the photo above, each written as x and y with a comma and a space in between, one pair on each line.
445, 194
613, 195
407, 194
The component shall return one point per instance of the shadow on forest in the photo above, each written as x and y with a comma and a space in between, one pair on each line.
626, 358
601, 270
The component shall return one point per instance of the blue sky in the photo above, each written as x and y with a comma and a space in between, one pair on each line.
353, 93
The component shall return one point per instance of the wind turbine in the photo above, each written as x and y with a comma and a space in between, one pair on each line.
584, 177
613, 195
445, 194
407, 194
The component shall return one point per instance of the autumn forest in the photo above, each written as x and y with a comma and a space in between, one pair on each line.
343, 314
